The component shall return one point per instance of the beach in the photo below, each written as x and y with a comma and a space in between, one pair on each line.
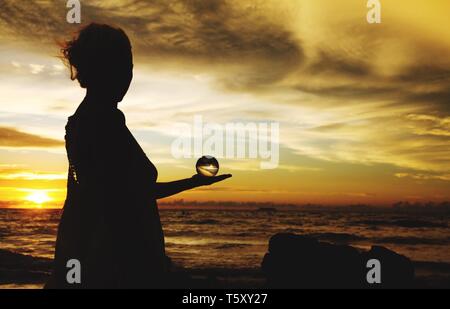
225, 248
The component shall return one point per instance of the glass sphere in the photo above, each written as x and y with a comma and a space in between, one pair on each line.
207, 166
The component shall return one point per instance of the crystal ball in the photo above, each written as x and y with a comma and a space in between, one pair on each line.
207, 166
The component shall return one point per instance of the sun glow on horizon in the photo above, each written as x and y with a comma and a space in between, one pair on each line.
38, 197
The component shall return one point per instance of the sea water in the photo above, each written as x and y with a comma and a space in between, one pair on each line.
239, 239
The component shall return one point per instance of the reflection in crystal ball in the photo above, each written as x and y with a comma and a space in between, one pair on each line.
207, 166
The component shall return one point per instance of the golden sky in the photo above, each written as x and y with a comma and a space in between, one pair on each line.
363, 108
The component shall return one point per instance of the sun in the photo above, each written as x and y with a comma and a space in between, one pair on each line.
38, 197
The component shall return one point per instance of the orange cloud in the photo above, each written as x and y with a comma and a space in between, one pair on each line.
10, 137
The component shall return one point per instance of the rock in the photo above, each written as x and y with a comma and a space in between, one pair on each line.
15, 267
295, 261
397, 271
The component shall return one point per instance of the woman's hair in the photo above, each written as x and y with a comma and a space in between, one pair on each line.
94, 52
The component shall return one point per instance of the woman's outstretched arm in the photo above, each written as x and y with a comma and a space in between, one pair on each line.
166, 189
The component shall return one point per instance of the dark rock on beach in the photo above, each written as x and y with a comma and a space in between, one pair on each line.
397, 271
296, 261
18, 268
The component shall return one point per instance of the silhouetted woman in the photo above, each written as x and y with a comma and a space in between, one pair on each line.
110, 222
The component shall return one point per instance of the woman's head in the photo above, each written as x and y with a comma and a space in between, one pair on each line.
100, 59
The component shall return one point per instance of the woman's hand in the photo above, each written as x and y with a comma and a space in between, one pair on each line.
200, 180
166, 189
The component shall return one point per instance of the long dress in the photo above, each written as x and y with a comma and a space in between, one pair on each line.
110, 221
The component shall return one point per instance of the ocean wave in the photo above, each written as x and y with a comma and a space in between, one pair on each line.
45, 230
293, 222
224, 234
243, 234
231, 246
337, 237
412, 240
185, 233
408, 223
203, 222
3, 232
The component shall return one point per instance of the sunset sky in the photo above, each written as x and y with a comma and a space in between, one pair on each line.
364, 109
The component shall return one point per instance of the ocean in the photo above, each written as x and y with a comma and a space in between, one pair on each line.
232, 239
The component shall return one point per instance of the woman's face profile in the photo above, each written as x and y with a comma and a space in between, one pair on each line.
120, 77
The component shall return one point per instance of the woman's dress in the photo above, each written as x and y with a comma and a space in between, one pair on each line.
110, 221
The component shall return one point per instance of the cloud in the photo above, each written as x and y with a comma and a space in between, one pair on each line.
217, 31
255, 46
10, 137
10, 204
32, 176
430, 125
36, 68
445, 177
